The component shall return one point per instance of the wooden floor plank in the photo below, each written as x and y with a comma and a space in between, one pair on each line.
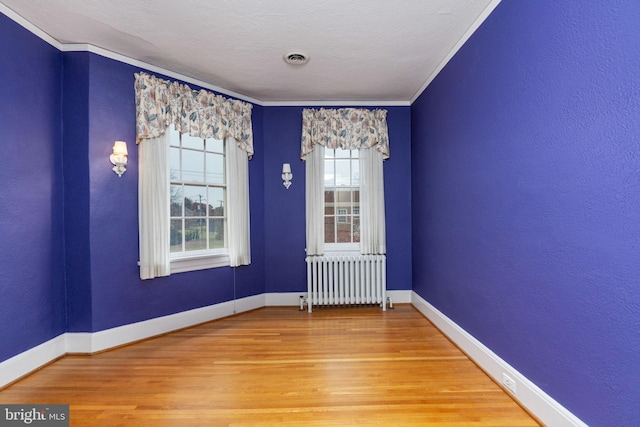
278, 366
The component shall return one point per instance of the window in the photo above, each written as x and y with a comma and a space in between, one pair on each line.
344, 187
198, 200
193, 193
341, 199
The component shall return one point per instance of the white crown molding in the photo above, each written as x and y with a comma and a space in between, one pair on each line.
150, 67
539, 403
74, 47
476, 24
336, 103
29, 26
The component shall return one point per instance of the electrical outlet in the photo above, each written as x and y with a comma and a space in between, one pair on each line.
509, 383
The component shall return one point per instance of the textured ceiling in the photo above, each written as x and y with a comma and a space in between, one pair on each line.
360, 51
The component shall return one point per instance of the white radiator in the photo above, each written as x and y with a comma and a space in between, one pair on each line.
346, 279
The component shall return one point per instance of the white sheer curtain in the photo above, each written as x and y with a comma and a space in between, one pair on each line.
314, 193
372, 217
237, 163
153, 206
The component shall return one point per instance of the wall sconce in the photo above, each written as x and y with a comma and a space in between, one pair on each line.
287, 176
119, 157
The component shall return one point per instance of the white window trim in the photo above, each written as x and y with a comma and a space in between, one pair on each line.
182, 262
342, 247
201, 261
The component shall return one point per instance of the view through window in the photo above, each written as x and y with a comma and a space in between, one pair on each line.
198, 193
341, 196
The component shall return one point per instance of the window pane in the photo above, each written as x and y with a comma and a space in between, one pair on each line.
356, 229
195, 200
343, 154
215, 168
329, 204
189, 141
175, 236
197, 193
215, 145
329, 197
344, 232
341, 216
343, 172
329, 229
176, 200
343, 196
174, 164
192, 166
216, 233
355, 173
329, 174
216, 201
195, 232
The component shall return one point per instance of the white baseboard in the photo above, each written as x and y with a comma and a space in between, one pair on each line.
286, 299
400, 297
114, 337
22, 364
91, 342
540, 404
283, 299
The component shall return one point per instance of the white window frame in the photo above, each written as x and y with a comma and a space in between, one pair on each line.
198, 259
342, 247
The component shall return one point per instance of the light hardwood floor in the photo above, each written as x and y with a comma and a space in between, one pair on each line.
279, 366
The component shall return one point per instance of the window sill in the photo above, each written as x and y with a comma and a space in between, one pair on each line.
199, 262
342, 247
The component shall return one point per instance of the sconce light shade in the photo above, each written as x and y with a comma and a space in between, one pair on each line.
287, 176
120, 148
119, 157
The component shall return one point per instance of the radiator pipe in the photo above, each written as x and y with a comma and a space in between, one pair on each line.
303, 301
390, 303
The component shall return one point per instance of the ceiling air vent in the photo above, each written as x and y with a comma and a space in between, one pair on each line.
296, 58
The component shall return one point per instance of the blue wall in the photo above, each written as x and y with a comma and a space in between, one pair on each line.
526, 198
75, 152
32, 308
285, 209
117, 294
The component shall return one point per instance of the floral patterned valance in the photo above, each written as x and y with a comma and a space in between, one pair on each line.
346, 128
203, 114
